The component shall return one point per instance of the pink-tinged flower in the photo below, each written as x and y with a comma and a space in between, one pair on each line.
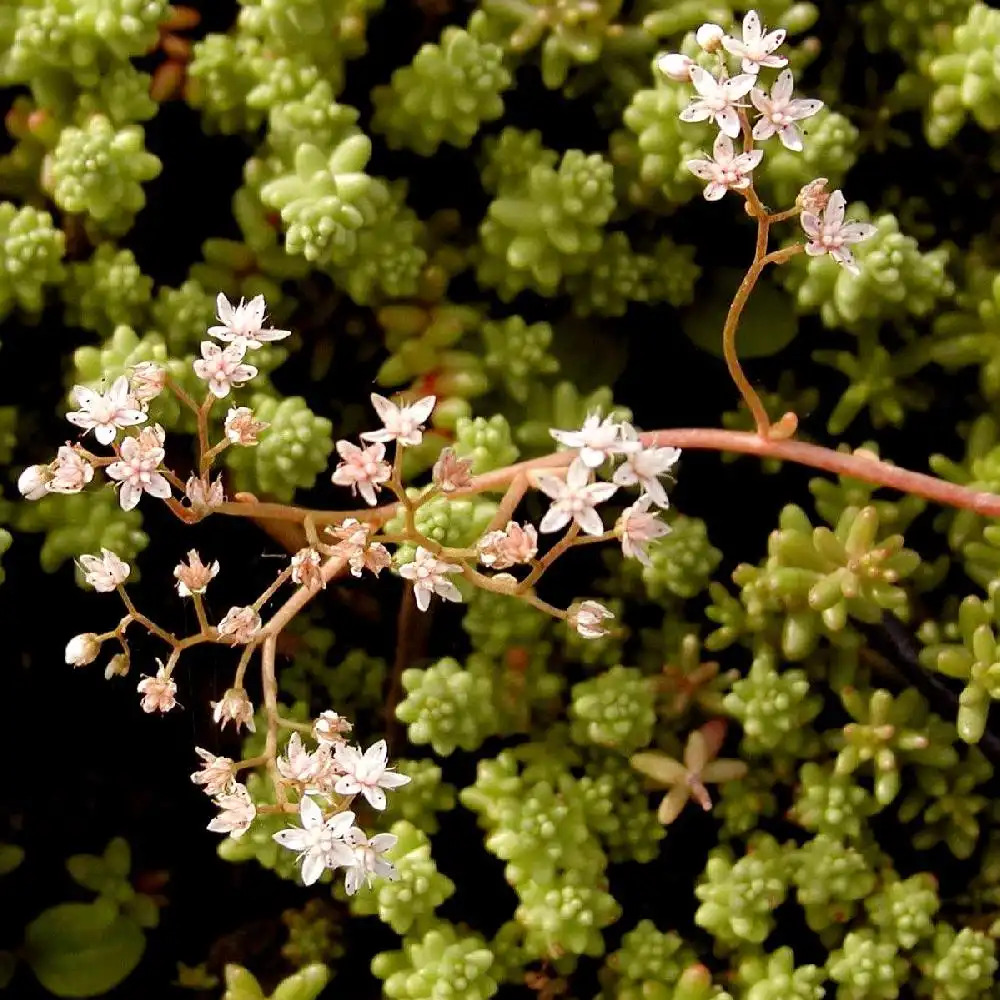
105, 413
194, 576
829, 234
402, 424
363, 469
645, 466
242, 427
588, 619
515, 544
202, 497
307, 567
450, 472
138, 460
574, 499
675, 66
243, 323
367, 862
331, 728
240, 625
146, 381
429, 576
639, 528
366, 773
105, 572
357, 550
813, 197
82, 649
216, 773
222, 367
33, 483
235, 707
726, 171
158, 693
717, 100
757, 46
781, 111
597, 439
70, 472
236, 811
302, 766
320, 843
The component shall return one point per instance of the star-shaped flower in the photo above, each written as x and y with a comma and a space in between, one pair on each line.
138, 460
727, 170
780, 111
429, 576
320, 842
243, 323
105, 413
644, 466
639, 528
757, 47
574, 499
717, 100
368, 860
222, 367
366, 773
597, 439
829, 234
403, 424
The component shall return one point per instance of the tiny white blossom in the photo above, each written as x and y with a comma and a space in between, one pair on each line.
105, 413
597, 439
70, 472
33, 483
367, 861
366, 772
403, 424
645, 466
222, 367
236, 811
780, 111
429, 576
588, 617
363, 469
756, 48
320, 843
215, 774
574, 499
303, 766
138, 460
829, 234
727, 170
639, 528
717, 100
104, 572
243, 323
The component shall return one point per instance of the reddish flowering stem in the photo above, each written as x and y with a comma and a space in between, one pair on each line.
541, 565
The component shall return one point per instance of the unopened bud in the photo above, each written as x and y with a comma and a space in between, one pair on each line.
674, 66
709, 36
814, 196
117, 666
34, 482
82, 649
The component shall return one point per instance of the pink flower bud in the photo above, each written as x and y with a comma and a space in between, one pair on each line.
236, 707
588, 618
82, 649
117, 666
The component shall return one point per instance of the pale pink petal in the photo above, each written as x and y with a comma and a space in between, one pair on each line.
554, 520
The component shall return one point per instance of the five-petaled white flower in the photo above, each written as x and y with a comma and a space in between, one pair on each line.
717, 100
138, 459
215, 774
639, 528
829, 234
756, 48
105, 413
574, 499
222, 367
320, 842
366, 772
588, 619
645, 466
243, 323
303, 766
727, 170
429, 576
104, 572
780, 111
363, 469
70, 472
236, 811
403, 424
597, 439
368, 862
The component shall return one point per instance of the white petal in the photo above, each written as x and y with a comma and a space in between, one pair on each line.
555, 519
375, 796
422, 408
751, 27
739, 86
105, 433
773, 39
713, 192
590, 521
448, 590
158, 486
783, 87
728, 121
128, 496
722, 149
393, 779
383, 842
704, 82
293, 838
763, 129
312, 867
310, 814
835, 208
384, 408
347, 785
703, 169
697, 112
377, 754
223, 309
352, 880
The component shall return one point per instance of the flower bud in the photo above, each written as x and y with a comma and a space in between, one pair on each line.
82, 649
34, 482
674, 66
814, 196
709, 36
117, 666
147, 381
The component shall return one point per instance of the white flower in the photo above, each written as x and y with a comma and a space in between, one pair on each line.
234, 707
33, 483
363, 469
147, 381
302, 766
574, 499
138, 460
70, 472
320, 844
674, 66
597, 439
587, 618
241, 624
216, 772
639, 528
717, 100
726, 171
223, 368
403, 424
367, 861
366, 773
757, 47
242, 427
237, 811
104, 572
242, 323
82, 649
159, 692
105, 413
429, 576
781, 111
644, 466
829, 234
